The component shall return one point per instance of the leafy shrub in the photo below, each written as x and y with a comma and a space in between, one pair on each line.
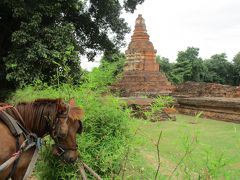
100, 78
159, 103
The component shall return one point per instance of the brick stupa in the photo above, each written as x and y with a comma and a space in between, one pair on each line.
141, 75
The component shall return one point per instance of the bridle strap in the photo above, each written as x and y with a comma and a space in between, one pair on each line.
67, 148
15, 163
32, 164
5, 107
65, 116
55, 124
63, 149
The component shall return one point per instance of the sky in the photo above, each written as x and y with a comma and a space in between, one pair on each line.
213, 26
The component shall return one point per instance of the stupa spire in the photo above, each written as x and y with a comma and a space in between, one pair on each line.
141, 54
140, 30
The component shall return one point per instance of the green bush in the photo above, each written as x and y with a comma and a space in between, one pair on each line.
159, 103
104, 140
106, 134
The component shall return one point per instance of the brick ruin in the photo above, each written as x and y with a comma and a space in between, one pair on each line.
216, 101
141, 75
142, 78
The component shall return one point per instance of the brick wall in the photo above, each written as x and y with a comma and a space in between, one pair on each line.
193, 89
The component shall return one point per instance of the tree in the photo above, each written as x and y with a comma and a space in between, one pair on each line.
43, 39
219, 69
167, 68
117, 59
189, 66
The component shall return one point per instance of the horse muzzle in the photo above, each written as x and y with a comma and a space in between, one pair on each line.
69, 155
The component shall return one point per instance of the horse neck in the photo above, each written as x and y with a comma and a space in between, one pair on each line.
33, 119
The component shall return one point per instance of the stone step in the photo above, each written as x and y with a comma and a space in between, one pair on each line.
142, 93
144, 78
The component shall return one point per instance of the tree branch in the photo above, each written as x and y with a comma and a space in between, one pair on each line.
158, 153
92, 171
82, 172
126, 156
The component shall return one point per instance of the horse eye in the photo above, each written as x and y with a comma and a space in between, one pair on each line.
62, 136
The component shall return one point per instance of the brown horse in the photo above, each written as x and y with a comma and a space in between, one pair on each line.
42, 117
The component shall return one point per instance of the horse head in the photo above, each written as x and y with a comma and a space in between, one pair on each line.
67, 125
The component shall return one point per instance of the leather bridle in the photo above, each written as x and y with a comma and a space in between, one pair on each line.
62, 149
55, 133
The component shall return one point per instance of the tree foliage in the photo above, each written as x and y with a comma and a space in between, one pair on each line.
190, 67
219, 70
42, 40
166, 67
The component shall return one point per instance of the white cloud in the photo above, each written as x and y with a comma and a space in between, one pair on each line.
173, 25
89, 65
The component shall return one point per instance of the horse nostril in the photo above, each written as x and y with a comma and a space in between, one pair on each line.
71, 160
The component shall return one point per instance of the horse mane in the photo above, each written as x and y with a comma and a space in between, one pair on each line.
39, 113
75, 113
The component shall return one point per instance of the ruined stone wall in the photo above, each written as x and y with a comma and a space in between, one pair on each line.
194, 89
216, 101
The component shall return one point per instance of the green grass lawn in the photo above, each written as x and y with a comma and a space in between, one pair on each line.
207, 149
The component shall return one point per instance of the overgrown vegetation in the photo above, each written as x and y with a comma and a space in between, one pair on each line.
106, 133
117, 146
116, 150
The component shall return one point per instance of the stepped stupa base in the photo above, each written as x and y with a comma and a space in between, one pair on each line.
139, 84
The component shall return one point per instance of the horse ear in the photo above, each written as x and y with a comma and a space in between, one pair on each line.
76, 113
72, 102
